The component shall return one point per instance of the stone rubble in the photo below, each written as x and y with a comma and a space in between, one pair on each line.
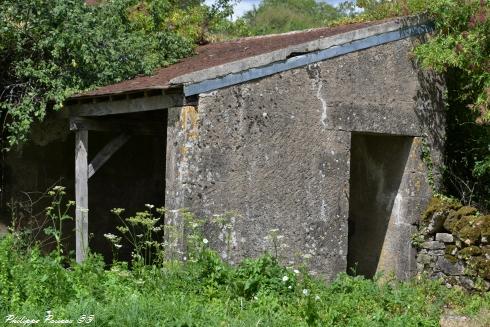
453, 245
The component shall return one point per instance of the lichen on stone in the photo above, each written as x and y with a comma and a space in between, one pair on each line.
451, 258
480, 266
439, 204
451, 221
467, 211
451, 250
469, 251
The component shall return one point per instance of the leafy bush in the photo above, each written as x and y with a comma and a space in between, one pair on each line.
52, 49
277, 16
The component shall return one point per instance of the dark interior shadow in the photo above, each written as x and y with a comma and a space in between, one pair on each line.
376, 171
132, 177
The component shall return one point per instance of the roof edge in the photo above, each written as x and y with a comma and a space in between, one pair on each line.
311, 46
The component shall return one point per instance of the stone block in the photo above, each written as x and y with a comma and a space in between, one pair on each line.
437, 275
424, 259
444, 237
448, 267
433, 245
436, 222
466, 282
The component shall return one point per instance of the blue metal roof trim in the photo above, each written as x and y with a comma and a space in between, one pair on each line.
306, 59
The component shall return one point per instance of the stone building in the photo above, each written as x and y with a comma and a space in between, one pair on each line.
329, 136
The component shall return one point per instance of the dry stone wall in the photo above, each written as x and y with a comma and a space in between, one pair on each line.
453, 245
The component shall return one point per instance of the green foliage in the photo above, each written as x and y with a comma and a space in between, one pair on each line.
462, 43
460, 49
140, 231
179, 293
277, 16
57, 214
50, 50
205, 291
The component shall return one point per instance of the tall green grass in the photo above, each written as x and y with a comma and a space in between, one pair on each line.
208, 292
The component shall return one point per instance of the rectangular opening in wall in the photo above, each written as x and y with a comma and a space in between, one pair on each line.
376, 170
132, 177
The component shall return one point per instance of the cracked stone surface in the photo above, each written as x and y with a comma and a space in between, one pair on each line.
276, 152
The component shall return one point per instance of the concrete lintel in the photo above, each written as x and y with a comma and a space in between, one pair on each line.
303, 60
283, 54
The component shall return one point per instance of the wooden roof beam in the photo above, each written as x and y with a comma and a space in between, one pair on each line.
143, 127
127, 105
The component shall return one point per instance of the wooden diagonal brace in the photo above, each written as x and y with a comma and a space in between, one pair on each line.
106, 153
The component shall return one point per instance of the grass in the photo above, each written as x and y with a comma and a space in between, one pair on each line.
208, 292
155, 289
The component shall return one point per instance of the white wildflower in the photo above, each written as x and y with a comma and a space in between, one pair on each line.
205, 241
110, 236
317, 298
285, 278
306, 292
296, 271
149, 206
118, 246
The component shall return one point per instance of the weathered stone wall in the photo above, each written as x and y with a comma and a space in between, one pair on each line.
277, 152
454, 245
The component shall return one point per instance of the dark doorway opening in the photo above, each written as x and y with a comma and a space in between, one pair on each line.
132, 177
376, 170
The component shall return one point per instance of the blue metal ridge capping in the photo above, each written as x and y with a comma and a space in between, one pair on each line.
303, 60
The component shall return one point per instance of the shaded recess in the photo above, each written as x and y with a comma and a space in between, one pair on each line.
377, 166
133, 176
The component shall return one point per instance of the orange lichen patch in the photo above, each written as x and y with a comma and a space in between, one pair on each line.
184, 150
189, 117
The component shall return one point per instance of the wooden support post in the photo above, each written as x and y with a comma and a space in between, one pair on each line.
81, 194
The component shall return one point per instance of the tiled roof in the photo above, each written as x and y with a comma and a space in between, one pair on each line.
216, 54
